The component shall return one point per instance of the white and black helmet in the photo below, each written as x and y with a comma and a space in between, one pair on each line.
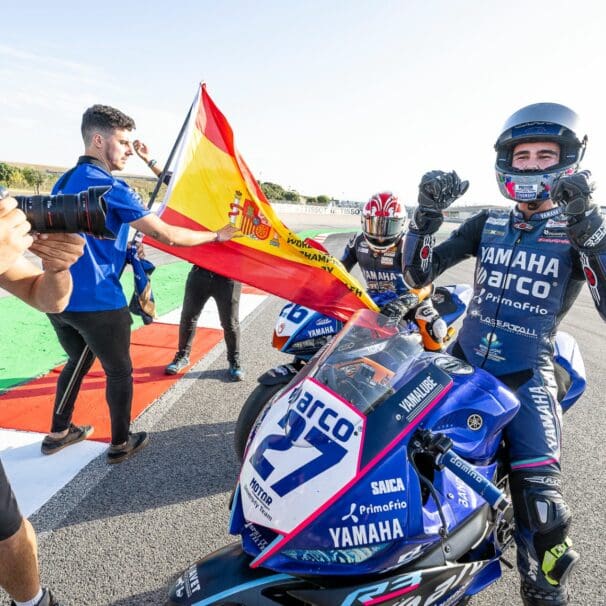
538, 122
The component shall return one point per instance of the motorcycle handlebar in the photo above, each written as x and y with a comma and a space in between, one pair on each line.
494, 496
440, 446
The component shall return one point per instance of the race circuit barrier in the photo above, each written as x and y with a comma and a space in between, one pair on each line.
281, 207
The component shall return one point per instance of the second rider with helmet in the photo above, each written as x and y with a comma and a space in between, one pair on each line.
378, 252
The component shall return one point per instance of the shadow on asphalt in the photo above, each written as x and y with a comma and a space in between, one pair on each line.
179, 465
217, 374
150, 598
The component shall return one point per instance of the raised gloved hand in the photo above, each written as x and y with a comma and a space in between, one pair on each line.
574, 191
396, 309
438, 190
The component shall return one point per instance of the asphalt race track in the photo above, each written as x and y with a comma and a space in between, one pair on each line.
119, 535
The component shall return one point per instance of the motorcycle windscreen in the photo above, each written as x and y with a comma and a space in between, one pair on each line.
309, 444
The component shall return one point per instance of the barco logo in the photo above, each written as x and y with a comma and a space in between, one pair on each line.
527, 262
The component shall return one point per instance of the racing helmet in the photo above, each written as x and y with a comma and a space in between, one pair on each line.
382, 221
538, 122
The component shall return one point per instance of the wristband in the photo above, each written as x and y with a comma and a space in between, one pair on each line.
152, 163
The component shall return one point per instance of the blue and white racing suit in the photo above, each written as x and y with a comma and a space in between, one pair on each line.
528, 274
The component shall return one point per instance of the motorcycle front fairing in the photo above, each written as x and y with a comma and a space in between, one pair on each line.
328, 485
301, 331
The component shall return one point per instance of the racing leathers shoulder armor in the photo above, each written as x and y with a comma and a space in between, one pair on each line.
527, 275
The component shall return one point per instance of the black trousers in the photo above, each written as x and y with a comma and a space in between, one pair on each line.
10, 517
107, 334
201, 285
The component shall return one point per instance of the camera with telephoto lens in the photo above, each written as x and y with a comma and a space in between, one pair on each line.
68, 213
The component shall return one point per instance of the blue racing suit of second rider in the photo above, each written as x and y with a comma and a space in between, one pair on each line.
382, 272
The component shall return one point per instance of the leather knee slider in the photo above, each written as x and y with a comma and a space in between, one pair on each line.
540, 506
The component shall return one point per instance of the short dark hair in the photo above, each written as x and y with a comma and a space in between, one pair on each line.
105, 119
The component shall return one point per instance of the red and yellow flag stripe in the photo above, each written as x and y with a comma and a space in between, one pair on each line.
212, 185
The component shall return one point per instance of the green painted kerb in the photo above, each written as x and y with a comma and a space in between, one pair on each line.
28, 344
29, 347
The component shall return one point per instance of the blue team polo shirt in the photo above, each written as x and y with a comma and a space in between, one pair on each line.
96, 274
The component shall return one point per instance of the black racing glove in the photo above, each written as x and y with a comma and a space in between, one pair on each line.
438, 190
574, 191
396, 309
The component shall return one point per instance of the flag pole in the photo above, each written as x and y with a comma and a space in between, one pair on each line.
77, 374
162, 176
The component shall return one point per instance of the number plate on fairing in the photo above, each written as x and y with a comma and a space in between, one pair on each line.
306, 450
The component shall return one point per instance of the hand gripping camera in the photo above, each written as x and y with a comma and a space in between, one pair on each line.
84, 212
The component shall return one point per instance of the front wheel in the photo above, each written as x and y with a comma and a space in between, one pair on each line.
251, 410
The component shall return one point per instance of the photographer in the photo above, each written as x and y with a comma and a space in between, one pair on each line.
97, 316
47, 289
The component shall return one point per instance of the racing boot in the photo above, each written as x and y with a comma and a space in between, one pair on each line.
557, 564
545, 555
535, 596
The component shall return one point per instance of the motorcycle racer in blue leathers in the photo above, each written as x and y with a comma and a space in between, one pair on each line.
378, 252
531, 263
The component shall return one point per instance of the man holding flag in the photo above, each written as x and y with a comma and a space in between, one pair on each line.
97, 319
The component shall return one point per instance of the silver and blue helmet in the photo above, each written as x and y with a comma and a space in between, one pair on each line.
538, 122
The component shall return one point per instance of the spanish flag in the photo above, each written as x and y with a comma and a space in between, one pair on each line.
211, 185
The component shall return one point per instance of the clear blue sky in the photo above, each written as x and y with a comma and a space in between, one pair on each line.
337, 98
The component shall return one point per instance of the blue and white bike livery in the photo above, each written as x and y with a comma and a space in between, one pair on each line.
374, 477
302, 332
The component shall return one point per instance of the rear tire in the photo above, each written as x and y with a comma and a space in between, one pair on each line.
251, 410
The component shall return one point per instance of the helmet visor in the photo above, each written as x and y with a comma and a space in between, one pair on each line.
382, 228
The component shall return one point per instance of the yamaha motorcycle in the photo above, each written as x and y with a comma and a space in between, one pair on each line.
375, 477
302, 332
